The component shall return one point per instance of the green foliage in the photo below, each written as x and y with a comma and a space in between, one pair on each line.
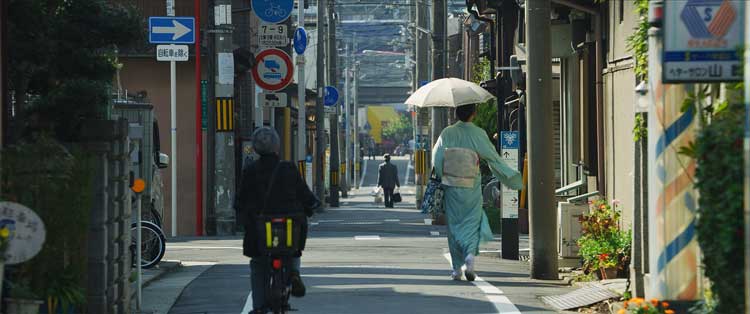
602, 243
640, 129
63, 289
55, 182
719, 178
487, 111
637, 42
641, 306
64, 55
400, 130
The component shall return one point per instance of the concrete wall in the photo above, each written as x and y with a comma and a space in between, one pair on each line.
146, 74
619, 113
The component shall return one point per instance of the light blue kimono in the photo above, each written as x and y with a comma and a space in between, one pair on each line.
467, 222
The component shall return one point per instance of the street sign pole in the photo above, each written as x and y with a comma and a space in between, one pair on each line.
509, 144
301, 112
173, 116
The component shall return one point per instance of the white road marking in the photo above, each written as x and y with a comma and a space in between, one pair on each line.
364, 174
393, 220
248, 304
366, 237
428, 221
434, 233
500, 251
204, 247
501, 302
357, 266
331, 220
314, 223
362, 223
406, 181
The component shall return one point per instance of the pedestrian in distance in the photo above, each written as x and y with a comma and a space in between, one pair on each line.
388, 180
288, 194
456, 158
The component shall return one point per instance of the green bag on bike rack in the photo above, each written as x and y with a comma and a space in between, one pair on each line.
279, 234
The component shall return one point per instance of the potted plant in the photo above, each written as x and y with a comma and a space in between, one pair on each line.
604, 247
22, 299
64, 294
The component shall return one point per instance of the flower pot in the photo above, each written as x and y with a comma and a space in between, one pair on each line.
606, 273
22, 306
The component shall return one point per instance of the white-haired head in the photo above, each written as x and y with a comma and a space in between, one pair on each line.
266, 141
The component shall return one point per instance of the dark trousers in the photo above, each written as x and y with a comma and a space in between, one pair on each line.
388, 195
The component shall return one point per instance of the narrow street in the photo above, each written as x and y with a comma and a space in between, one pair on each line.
363, 258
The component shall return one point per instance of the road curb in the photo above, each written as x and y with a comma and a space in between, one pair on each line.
151, 275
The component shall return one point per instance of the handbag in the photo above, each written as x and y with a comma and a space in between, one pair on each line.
278, 234
397, 196
432, 202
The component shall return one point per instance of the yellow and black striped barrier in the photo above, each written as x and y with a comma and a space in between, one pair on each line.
224, 114
334, 177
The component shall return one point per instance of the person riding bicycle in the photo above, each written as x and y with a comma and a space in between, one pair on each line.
288, 195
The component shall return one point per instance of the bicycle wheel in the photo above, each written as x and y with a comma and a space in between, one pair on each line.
153, 244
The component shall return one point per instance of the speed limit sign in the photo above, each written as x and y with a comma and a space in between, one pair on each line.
273, 35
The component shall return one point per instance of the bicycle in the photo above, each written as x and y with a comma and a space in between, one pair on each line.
153, 239
153, 244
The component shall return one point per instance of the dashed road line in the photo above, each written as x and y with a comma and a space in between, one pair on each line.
186, 247
502, 304
393, 220
366, 237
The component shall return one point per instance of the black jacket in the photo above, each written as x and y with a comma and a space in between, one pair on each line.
388, 175
289, 194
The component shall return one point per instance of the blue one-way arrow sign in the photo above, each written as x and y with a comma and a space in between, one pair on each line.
171, 30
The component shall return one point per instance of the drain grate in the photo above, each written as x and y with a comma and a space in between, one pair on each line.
590, 294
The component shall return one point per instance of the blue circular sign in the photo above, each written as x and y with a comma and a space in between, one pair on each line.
300, 40
272, 11
331, 96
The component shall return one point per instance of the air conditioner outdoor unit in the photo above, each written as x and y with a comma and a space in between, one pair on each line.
569, 227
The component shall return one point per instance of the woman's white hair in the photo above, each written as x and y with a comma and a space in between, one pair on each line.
266, 141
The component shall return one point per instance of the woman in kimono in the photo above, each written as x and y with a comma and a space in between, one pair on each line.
456, 158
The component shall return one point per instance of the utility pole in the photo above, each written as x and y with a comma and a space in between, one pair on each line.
543, 230
320, 141
334, 164
357, 157
224, 176
347, 120
439, 36
301, 114
422, 46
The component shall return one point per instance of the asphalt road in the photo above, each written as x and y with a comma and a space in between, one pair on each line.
370, 178
362, 258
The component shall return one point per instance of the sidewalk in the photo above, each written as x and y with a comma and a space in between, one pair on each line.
163, 285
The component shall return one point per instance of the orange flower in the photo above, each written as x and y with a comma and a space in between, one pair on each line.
625, 304
637, 301
655, 302
665, 304
602, 206
621, 311
668, 312
645, 306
